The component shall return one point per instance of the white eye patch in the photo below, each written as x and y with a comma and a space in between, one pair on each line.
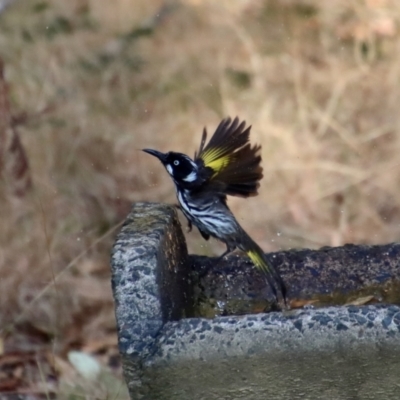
169, 169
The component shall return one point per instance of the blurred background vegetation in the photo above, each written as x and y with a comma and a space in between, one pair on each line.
90, 82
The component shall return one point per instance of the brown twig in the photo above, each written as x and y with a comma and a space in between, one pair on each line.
14, 165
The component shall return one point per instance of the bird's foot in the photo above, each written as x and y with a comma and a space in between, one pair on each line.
224, 254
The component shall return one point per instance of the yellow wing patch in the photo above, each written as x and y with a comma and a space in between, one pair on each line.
219, 164
213, 159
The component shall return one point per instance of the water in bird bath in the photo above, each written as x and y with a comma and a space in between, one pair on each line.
364, 373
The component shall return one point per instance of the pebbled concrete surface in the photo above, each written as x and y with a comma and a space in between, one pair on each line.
325, 329
149, 276
307, 272
325, 275
153, 290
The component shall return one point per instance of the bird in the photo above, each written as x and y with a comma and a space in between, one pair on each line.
228, 165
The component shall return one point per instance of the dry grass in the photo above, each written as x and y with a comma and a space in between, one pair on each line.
318, 80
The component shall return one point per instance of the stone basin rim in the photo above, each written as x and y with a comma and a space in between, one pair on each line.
323, 330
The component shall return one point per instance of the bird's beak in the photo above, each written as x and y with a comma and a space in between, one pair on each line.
155, 153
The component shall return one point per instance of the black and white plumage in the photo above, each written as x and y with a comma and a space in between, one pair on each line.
227, 165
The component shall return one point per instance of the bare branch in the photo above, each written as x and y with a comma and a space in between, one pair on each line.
14, 166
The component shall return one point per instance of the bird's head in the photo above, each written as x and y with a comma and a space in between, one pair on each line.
182, 168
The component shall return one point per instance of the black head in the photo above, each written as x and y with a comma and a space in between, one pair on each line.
181, 167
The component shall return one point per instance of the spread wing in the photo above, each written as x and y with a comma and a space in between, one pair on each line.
234, 164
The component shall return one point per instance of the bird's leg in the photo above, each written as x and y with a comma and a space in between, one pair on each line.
228, 250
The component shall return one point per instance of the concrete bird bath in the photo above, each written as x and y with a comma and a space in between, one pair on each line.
170, 350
